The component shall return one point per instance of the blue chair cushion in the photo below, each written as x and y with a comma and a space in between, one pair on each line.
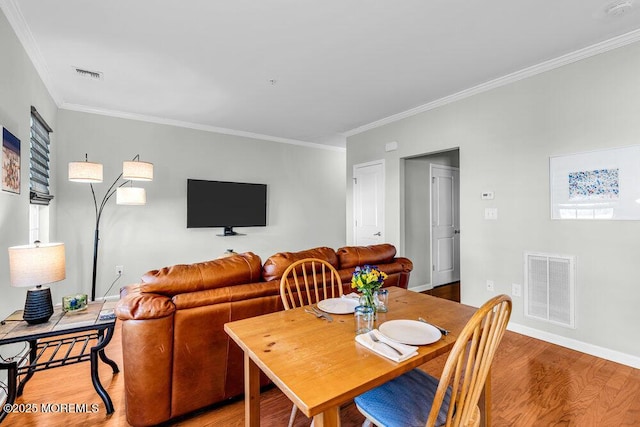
404, 401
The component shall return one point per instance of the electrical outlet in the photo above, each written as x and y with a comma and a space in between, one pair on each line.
491, 213
490, 287
119, 270
516, 290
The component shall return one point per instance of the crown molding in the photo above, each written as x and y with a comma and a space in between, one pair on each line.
14, 15
196, 126
21, 29
525, 73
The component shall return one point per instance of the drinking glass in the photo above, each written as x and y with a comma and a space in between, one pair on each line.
382, 300
363, 316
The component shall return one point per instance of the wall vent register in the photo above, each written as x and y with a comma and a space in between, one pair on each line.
550, 288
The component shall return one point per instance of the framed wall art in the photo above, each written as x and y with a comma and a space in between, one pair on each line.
10, 162
598, 185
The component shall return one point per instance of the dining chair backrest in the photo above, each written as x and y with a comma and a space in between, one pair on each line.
308, 281
469, 363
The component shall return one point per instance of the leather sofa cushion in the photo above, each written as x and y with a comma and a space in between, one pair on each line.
352, 256
275, 265
218, 273
249, 291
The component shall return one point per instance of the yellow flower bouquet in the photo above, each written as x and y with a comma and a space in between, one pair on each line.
367, 280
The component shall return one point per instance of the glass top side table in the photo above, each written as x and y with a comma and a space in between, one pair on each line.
67, 338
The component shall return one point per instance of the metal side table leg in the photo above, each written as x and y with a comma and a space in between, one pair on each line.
98, 351
33, 354
102, 354
12, 384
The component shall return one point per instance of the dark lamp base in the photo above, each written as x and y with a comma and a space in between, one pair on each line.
39, 307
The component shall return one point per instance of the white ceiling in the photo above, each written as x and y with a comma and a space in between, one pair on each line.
338, 65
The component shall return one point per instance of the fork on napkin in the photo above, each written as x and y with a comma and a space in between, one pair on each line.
380, 348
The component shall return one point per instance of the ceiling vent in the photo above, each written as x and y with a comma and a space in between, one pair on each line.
87, 74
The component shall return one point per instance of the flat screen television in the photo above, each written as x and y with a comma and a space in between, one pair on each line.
226, 204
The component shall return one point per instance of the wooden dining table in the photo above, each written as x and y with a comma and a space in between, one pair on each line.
318, 364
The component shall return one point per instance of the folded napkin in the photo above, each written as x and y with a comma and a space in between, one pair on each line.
407, 351
352, 295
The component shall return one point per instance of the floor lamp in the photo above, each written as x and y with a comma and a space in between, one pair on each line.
91, 173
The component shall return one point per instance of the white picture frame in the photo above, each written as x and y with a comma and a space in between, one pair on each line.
596, 185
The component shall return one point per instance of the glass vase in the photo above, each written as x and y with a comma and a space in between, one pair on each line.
367, 299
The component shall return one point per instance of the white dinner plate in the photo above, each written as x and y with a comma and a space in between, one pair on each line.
338, 305
410, 332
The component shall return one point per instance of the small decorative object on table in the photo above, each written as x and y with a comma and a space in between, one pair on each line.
74, 303
367, 280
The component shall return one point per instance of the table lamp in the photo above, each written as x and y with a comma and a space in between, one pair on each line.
36, 265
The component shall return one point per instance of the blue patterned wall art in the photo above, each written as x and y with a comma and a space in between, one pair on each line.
599, 184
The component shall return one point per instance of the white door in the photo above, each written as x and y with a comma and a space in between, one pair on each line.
368, 203
445, 224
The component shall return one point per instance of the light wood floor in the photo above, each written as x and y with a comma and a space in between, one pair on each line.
534, 384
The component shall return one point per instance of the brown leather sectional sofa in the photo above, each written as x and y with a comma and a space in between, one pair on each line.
177, 357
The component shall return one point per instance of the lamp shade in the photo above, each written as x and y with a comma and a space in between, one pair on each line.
38, 264
137, 171
131, 196
85, 172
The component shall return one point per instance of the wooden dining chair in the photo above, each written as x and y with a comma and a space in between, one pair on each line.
418, 399
306, 282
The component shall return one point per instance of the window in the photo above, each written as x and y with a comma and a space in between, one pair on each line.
38, 223
39, 193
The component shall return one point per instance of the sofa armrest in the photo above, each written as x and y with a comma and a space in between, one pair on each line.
137, 305
147, 353
403, 276
407, 265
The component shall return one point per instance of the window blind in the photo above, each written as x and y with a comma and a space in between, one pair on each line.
39, 193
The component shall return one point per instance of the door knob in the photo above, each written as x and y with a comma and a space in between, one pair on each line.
377, 234
456, 231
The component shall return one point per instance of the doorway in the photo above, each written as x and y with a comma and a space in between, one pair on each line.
418, 221
445, 224
368, 203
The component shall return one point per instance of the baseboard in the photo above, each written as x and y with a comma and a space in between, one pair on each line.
583, 347
421, 288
